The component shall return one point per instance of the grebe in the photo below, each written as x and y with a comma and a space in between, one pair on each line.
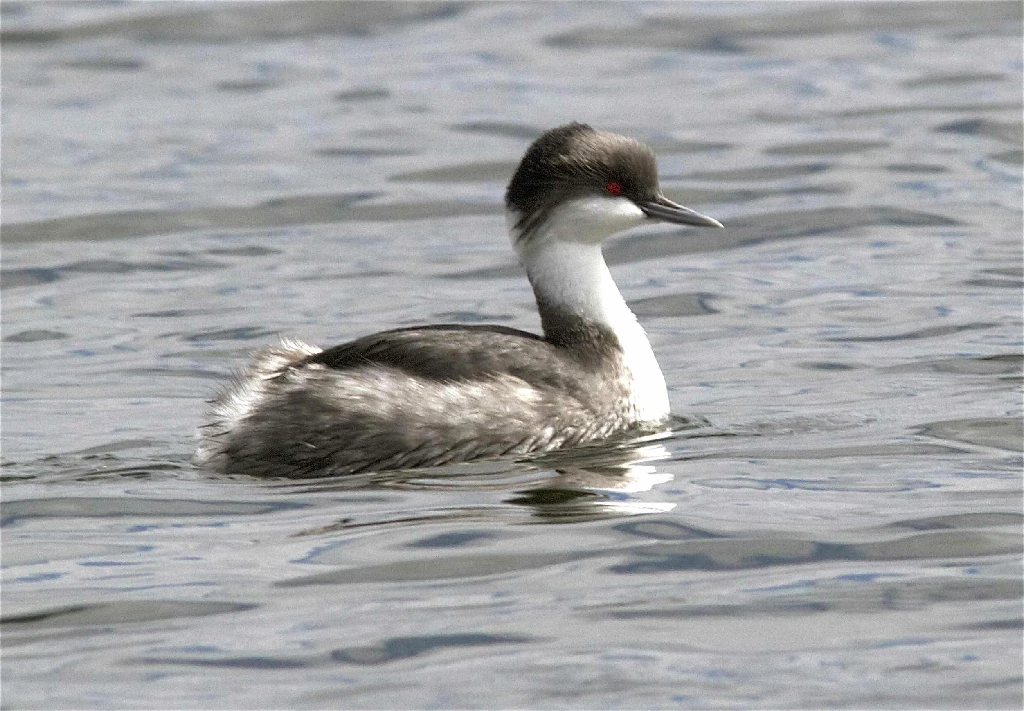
430, 395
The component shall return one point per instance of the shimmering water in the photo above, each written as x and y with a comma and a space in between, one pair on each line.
840, 527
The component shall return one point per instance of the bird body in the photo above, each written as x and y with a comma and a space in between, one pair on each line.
432, 395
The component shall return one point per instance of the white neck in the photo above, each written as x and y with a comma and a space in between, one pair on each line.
570, 274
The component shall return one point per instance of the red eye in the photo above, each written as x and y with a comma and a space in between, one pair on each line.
614, 188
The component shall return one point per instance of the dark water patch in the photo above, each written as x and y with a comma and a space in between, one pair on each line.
741, 554
89, 469
246, 86
367, 93
242, 333
399, 648
664, 145
927, 107
824, 484
742, 33
1008, 157
279, 212
33, 335
246, 22
913, 594
1013, 624
932, 332
444, 568
1000, 432
983, 519
877, 594
954, 79
393, 212
353, 152
328, 276
455, 539
124, 445
768, 172
117, 266
648, 35
491, 171
1006, 278
1006, 132
29, 276
306, 209
12, 512
674, 305
13, 10
184, 373
916, 168
249, 250
663, 530
393, 649
251, 662
683, 612
350, 482
1005, 364
119, 612
178, 313
503, 129
106, 64
825, 147
893, 110
828, 365
74, 552
731, 554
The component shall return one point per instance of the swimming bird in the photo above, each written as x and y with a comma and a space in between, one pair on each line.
431, 395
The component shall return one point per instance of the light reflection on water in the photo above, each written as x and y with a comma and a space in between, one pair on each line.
838, 523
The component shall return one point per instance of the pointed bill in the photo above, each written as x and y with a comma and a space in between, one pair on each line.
661, 208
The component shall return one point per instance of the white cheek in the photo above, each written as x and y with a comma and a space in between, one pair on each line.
594, 218
587, 220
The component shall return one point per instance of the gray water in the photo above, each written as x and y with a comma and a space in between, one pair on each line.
839, 523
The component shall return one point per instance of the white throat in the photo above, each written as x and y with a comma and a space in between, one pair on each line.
567, 270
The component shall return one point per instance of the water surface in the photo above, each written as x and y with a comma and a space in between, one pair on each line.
837, 523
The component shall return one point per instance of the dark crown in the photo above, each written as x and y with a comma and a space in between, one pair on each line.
576, 160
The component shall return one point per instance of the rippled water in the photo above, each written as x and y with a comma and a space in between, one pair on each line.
838, 524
